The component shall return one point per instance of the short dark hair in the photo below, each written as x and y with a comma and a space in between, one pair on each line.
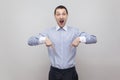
60, 7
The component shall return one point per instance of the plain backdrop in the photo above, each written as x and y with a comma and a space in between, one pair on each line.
20, 19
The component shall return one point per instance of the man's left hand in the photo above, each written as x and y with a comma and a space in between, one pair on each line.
76, 42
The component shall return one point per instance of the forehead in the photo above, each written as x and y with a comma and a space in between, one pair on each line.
60, 10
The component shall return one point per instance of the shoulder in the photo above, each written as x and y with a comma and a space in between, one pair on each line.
49, 29
73, 28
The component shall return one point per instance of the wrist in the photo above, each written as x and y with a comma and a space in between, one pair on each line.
82, 39
42, 39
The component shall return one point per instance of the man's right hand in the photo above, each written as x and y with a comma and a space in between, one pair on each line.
48, 42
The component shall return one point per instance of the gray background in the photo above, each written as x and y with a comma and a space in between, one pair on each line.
20, 19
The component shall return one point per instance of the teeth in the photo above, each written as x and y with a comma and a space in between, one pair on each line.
61, 21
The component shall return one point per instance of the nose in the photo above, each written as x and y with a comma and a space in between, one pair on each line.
61, 16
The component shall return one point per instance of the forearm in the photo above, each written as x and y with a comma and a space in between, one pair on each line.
32, 41
36, 40
89, 39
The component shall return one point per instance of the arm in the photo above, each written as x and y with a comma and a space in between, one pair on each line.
87, 38
39, 39
84, 38
36, 40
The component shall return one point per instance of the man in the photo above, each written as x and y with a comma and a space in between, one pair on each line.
62, 41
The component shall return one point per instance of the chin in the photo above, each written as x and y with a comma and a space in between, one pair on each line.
61, 26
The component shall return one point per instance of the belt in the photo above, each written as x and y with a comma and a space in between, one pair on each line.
57, 69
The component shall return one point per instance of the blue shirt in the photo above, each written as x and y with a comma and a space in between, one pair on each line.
62, 54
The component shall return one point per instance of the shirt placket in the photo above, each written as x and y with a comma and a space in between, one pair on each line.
62, 46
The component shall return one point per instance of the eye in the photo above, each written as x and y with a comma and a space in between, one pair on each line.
64, 14
57, 14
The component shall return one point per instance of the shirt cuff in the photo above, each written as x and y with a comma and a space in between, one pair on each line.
82, 39
42, 39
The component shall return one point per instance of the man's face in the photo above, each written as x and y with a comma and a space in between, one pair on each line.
61, 17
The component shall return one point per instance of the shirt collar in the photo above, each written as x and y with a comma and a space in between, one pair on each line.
64, 28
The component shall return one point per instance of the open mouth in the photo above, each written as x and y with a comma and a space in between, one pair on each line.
61, 21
